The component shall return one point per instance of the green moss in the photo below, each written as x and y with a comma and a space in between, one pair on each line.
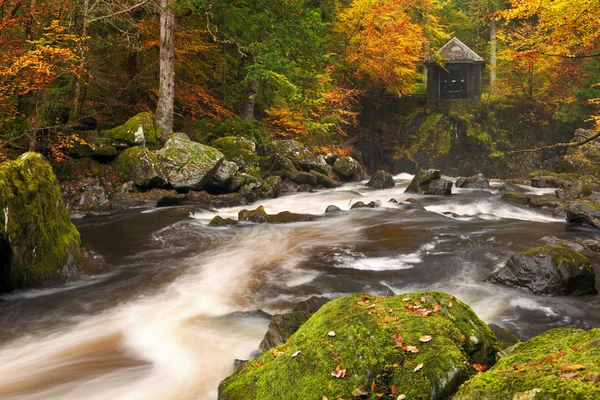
515, 197
558, 253
37, 236
140, 165
364, 346
138, 130
542, 363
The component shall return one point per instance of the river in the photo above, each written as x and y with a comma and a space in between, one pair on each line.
176, 301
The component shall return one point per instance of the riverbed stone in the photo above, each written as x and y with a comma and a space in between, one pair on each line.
478, 181
142, 167
259, 215
584, 212
368, 344
188, 165
550, 270
38, 241
348, 168
92, 199
239, 150
561, 363
382, 180
137, 131
325, 180
516, 197
288, 155
270, 188
429, 182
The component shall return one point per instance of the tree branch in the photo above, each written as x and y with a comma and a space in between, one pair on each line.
557, 145
126, 10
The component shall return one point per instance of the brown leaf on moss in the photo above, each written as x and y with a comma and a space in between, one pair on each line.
385, 319
479, 367
436, 308
418, 367
570, 375
571, 367
373, 385
411, 349
425, 338
399, 340
296, 354
339, 372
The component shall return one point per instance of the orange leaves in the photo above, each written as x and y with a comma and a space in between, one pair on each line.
339, 372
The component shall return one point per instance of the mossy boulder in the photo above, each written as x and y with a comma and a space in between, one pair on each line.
478, 181
289, 154
223, 176
511, 187
38, 241
93, 145
574, 185
239, 150
382, 180
137, 131
325, 180
348, 168
421, 345
220, 221
142, 167
560, 364
516, 197
270, 188
188, 165
260, 216
429, 182
549, 269
584, 212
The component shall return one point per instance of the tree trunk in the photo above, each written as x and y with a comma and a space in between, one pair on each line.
249, 100
166, 96
77, 104
492, 49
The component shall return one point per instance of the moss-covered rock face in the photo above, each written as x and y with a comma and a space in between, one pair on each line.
141, 166
38, 242
348, 168
561, 364
478, 181
270, 188
288, 155
552, 270
239, 150
188, 165
586, 213
516, 197
421, 345
137, 131
95, 145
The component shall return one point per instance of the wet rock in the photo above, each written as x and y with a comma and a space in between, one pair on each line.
348, 168
557, 364
326, 181
478, 181
38, 241
270, 188
217, 201
551, 270
247, 191
288, 155
574, 186
360, 204
137, 131
332, 209
394, 201
220, 221
441, 365
236, 183
382, 180
516, 197
128, 187
302, 178
331, 158
586, 213
429, 182
511, 187
91, 199
304, 189
312, 304
188, 165
223, 176
282, 327
505, 337
142, 167
260, 216
169, 201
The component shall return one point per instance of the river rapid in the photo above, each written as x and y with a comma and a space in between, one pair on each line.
176, 301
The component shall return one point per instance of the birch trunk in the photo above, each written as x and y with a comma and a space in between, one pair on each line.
166, 96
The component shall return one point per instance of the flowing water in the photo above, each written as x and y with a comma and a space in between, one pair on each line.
176, 301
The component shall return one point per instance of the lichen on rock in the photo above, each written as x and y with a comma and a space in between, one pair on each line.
141, 166
137, 131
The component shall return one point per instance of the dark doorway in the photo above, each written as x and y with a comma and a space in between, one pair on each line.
454, 83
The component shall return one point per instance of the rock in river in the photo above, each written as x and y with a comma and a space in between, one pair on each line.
382, 180
38, 241
429, 181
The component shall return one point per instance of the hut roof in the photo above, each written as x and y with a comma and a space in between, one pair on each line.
457, 51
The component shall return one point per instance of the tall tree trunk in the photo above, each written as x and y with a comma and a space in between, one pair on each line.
77, 103
492, 47
166, 96
249, 100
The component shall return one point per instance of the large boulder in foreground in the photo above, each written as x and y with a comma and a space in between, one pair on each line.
430, 182
188, 165
382, 180
422, 345
142, 167
137, 131
549, 269
348, 168
558, 364
38, 241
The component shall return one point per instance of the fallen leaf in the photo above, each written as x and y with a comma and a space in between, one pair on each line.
571, 367
385, 319
277, 353
396, 365
379, 394
450, 305
399, 340
425, 339
520, 367
373, 385
418, 367
570, 375
361, 303
422, 299
296, 354
394, 388
395, 319
401, 397
417, 306
452, 298
338, 373
436, 308
359, 392
390, 310
371, 306
406, 299
479, 367
331, 333
412, 349
324, 398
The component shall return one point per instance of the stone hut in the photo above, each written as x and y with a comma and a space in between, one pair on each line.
459, 76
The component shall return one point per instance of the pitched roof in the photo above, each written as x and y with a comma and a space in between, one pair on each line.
455, 50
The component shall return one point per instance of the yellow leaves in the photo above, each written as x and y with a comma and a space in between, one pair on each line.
571, 367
